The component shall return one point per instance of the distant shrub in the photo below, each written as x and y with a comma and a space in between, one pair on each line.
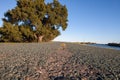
63, 46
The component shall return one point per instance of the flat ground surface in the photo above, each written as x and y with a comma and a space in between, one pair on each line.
57, 61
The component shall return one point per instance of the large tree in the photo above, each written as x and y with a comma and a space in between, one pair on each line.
34, 20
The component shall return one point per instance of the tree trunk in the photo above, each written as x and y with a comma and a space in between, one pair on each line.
40, 38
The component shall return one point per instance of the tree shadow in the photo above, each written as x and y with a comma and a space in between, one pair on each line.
64, 78
57, 78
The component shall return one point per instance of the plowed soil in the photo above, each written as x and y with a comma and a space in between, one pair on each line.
51, 61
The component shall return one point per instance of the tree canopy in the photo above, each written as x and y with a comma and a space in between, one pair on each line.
34, 20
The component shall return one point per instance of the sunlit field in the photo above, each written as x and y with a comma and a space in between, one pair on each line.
58, 61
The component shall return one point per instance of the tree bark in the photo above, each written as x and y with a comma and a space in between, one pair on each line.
40, 38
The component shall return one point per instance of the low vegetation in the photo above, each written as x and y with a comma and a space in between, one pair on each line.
57, 61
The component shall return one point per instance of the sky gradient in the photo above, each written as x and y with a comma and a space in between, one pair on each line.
88, 20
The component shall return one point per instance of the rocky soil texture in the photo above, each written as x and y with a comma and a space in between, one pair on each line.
57, 61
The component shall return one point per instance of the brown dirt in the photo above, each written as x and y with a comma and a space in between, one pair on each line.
58, 67
2, 56
54, 64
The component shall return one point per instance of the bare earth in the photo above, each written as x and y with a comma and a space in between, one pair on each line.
51, 61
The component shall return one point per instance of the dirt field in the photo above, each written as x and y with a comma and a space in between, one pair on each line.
57, 61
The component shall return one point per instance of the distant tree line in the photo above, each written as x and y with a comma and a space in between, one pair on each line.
114, 44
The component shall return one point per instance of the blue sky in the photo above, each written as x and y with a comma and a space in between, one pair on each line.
89, 20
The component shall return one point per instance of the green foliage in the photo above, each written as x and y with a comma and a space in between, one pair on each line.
27, 34
10, 33
46, 18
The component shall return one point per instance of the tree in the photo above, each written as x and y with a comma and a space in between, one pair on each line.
10, 33
35, 21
